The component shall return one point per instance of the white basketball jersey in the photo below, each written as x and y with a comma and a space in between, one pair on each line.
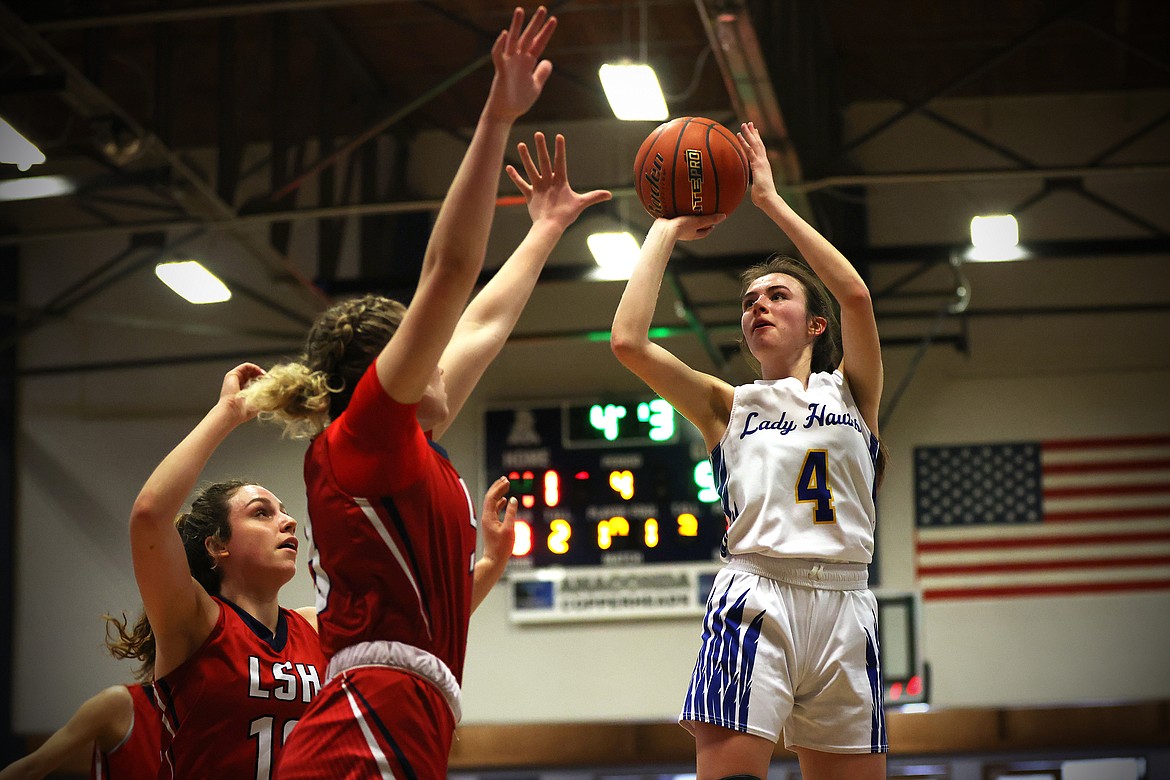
795, 471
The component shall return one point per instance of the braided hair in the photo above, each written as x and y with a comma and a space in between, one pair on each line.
307, 393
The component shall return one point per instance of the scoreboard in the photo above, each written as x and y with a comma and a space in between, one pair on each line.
605, 482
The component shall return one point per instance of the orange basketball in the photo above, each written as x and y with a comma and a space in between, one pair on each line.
690, 165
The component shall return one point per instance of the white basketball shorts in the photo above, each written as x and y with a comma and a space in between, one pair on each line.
791, 646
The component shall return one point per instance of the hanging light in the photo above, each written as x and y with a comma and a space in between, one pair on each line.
616, 254
192, 281
995, 238
16, 149
34, 187
633, 91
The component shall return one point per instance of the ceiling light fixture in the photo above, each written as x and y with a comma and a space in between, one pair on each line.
16, 149
616, 254
631, 86
995, 238
192, 281
633, 91
34, 187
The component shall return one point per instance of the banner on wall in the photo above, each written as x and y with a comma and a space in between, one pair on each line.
1019, 519
610, 592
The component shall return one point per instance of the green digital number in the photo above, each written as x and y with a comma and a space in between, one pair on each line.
659, 414
606, 419
705, 481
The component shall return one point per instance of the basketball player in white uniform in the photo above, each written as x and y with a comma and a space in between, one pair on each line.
789, 642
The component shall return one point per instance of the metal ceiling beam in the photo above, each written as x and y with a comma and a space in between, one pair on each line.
1012, 312
92, 283
281, 351
201, 202
229, 147
745, 74
278, 164
400, 207
1039, 250
1158, 62
193, 13
1130, 139
936, 338
733, 327
987, 64
377, 128
183, 327
992, 174
924, 256
170, 360
696, 325
978, 138
398, 114
747, 78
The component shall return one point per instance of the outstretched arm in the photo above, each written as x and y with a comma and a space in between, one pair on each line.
455, 252
181, 612
492, 314
862, 362
498, 538
103, 720
703, 399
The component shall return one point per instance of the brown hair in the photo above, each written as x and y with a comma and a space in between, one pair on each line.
307, 393
209, 518
819, 302
135, 641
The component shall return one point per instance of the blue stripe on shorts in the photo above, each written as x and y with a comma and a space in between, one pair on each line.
721, 685
878, 741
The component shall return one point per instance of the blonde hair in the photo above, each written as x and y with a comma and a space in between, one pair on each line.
307, 393
293, 395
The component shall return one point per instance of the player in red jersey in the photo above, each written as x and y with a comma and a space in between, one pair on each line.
138, 754
233, 669
392, 523
119, 726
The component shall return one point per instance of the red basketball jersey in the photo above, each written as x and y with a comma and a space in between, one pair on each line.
393, 530
136, 757
227, 710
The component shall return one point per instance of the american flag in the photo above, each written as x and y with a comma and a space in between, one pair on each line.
1076, 516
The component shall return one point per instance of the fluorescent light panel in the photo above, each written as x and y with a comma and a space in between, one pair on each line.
994, 231
192, 281
616, 254
633, 91
33, 187
16, 149
995, 238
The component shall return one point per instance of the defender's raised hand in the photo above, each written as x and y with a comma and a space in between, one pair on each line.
547, 190
520, 71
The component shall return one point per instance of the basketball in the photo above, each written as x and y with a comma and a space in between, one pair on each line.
690, 165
